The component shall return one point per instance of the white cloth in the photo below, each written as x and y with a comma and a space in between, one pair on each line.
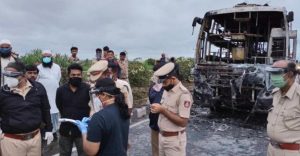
50, 78
4, 63
97, 105
5, 41
157, 87
125, 88
49, 137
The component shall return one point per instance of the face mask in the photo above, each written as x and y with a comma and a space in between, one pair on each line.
98, 56
47, 62
101, 101
46, 59
5, 52
278, 81
75, 81
168, 87
11, 82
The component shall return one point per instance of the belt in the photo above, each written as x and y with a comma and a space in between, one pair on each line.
22, 136
168, 134
285, 146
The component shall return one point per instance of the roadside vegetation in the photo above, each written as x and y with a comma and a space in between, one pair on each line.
140, 71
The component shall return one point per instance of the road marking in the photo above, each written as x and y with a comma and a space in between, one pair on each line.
131, 126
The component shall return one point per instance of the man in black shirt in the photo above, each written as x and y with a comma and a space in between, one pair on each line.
24, 106
72, 102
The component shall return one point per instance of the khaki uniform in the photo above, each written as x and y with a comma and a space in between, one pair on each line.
15, 147
284, 121
124, 69
154, 142
179, 101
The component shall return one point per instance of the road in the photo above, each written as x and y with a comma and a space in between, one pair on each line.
223, 134
209, 134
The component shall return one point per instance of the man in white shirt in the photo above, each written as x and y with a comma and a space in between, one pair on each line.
6, 56
49, 76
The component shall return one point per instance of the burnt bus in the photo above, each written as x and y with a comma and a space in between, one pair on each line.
234, 46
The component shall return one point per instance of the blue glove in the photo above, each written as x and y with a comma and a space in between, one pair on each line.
83, 124
86, 119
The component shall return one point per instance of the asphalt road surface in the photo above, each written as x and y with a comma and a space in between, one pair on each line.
209, 134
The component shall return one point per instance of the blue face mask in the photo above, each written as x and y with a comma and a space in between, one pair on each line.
5, 50
46, 59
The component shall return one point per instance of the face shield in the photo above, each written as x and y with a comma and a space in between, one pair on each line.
100, 90
12, 74
277, 76
276, 71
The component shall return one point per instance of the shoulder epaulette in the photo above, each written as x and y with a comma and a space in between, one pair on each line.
184, 89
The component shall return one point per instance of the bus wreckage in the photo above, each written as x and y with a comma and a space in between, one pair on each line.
234, 47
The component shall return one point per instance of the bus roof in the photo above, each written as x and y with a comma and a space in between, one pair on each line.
248, 8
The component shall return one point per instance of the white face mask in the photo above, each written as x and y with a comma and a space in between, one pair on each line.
11, 82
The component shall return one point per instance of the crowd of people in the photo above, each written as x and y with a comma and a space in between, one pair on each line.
95, 114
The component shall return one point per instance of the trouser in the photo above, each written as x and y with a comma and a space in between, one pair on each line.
172, 145
15, 147
66, 145
274, 151
154, 142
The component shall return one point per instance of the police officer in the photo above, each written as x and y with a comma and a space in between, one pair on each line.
95, 72
102, 69
24, 106
174, 112
283, 126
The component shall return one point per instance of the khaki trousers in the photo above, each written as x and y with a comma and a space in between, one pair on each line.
273, 151
154, 142
15, 147
173, 145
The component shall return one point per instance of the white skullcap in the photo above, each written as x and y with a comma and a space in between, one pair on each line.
47, 53
5, 41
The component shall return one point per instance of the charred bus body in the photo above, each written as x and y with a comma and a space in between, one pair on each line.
234, 47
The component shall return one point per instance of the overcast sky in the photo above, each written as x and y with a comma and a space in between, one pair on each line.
144, 28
